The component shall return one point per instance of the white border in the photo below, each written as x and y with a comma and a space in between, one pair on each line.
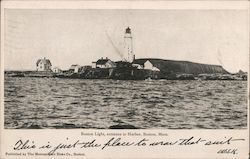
8, 137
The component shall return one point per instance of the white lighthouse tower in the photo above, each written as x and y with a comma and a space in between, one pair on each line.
128, 45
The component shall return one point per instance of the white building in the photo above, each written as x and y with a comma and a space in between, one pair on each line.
75, 68
149, 66
56, 70
43, 65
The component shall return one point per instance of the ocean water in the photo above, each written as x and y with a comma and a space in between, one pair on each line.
50, 103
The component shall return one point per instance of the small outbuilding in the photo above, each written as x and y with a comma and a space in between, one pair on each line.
56, 70
74, 68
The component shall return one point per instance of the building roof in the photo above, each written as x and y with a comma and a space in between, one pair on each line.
44, 60
74, 66
123, 64
140, 62
102, 61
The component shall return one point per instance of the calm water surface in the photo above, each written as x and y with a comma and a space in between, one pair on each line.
78, 103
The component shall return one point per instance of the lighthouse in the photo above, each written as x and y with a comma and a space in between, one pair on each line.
128, 46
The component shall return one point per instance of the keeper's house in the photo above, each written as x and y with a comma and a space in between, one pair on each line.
43, 65
103, 63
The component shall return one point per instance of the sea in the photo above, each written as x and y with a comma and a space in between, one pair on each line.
56, 103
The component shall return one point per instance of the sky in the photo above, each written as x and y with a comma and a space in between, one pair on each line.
71, 36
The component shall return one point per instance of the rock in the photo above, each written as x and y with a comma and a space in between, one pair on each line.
119, 126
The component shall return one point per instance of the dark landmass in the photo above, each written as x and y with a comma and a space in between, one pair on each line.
169, 69
182, 67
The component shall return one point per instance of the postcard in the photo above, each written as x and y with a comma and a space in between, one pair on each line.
124, 79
